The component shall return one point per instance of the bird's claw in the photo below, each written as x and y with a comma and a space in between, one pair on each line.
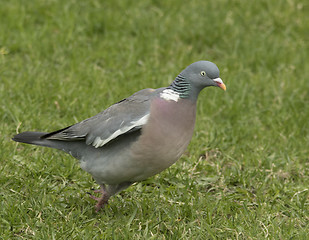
101, 201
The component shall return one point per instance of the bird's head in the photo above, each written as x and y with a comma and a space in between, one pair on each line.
196, 77
203, 74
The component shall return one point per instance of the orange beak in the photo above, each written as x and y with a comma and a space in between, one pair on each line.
220, 83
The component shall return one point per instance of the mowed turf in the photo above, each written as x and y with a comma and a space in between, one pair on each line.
245, 174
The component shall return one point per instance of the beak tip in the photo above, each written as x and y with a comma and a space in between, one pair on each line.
222, 86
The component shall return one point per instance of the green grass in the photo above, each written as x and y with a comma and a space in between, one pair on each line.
245, 174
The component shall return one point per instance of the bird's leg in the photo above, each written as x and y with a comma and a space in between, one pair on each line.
107, 192
102, 201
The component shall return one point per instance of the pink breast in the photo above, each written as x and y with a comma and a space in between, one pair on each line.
166, 135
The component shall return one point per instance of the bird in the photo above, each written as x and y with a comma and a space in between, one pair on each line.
137, 137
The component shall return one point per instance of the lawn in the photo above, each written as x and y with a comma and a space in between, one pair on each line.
245, 174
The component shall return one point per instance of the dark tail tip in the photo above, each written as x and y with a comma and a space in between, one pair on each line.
28, 137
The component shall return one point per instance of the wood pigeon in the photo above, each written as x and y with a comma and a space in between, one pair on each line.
137, 137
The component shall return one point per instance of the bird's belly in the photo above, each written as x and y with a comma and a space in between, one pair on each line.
112, 164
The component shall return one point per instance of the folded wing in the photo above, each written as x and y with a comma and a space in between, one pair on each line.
128, 115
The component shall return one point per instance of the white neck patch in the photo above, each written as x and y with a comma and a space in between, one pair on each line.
169, 94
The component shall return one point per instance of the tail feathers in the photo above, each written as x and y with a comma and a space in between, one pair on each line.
30, 138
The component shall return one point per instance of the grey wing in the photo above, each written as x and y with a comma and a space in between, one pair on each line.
125, 116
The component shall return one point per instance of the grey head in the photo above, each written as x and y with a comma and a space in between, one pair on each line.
195, 78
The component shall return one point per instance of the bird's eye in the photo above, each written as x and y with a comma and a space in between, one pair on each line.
203, 73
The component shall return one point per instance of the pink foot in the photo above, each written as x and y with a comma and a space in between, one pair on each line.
103, 200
